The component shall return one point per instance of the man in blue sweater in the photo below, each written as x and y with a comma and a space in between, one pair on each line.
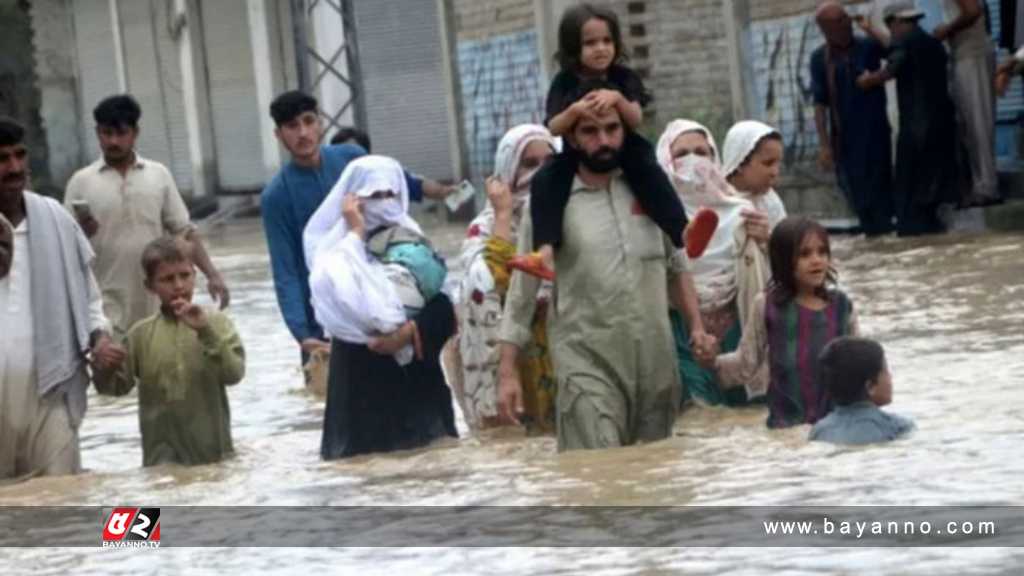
289, 201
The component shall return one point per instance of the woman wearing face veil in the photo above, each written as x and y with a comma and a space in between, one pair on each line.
375, 286
733, 269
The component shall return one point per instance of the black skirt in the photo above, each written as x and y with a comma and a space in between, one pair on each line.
375, 405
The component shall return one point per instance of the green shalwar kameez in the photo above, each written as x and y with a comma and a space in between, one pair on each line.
608, 327
182, 374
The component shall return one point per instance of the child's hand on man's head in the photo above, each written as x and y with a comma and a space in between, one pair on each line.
604, 100
191, 314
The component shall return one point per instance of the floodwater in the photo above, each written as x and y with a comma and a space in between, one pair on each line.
949, 311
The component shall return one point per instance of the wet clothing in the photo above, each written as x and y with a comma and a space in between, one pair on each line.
287, 203
608, 325
376, 405
182, 377
860, 423
859, 129
926, 148
551, 188
132, 210
974, 68
790, 338
49, 305
486, 287
699, 383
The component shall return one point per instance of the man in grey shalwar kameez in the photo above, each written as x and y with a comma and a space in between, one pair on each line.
608, 326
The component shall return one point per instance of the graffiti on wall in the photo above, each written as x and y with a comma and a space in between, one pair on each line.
781, 59
502, 86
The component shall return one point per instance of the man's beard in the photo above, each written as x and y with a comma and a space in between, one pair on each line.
603, 161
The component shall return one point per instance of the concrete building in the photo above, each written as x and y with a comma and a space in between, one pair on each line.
436, 83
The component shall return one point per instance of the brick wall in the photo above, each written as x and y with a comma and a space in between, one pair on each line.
500, 76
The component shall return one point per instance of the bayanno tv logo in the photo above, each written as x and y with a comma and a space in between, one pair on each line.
132, 528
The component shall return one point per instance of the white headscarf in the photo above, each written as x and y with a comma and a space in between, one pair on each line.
700, 184
506, 164
510, 153
351, 294
363, 176
740, 143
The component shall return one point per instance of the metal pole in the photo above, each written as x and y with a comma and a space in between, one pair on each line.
355, 75
301, 40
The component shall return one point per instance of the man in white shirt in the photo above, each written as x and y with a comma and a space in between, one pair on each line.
52, 317
123, 202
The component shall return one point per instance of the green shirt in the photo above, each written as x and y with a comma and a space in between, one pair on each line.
181, 374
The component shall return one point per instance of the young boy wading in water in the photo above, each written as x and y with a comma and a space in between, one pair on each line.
182, 359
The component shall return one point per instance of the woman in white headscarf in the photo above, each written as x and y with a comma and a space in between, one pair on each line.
752, 163
385, 387
733, 268
491, 241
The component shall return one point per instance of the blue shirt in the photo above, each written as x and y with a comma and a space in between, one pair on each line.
287, 203
860, 423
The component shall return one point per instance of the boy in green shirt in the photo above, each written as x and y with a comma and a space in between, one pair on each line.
182, 358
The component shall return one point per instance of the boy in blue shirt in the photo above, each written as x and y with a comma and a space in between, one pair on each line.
291, 198
857, 376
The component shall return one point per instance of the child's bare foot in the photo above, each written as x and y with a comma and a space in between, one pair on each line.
388, 344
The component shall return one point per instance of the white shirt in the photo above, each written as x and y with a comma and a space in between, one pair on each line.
17, 344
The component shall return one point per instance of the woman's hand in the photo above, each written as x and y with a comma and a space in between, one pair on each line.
500, 196
352, 211
705, 348
757, 226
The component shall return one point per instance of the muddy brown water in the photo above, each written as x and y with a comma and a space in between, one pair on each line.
949, 311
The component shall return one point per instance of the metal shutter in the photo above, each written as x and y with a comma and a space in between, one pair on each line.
97, 76
153, 72
232, 89
403, 81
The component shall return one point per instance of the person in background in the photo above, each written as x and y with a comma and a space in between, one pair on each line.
289, 200
857, 377
123, 202
51, 313
926, 170
182, 358
419, 186
6, 246
853, 125
966, 32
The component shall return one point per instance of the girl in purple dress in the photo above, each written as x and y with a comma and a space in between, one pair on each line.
799, 313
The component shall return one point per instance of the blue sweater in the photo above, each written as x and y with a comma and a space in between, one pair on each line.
287, 203
860, 423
